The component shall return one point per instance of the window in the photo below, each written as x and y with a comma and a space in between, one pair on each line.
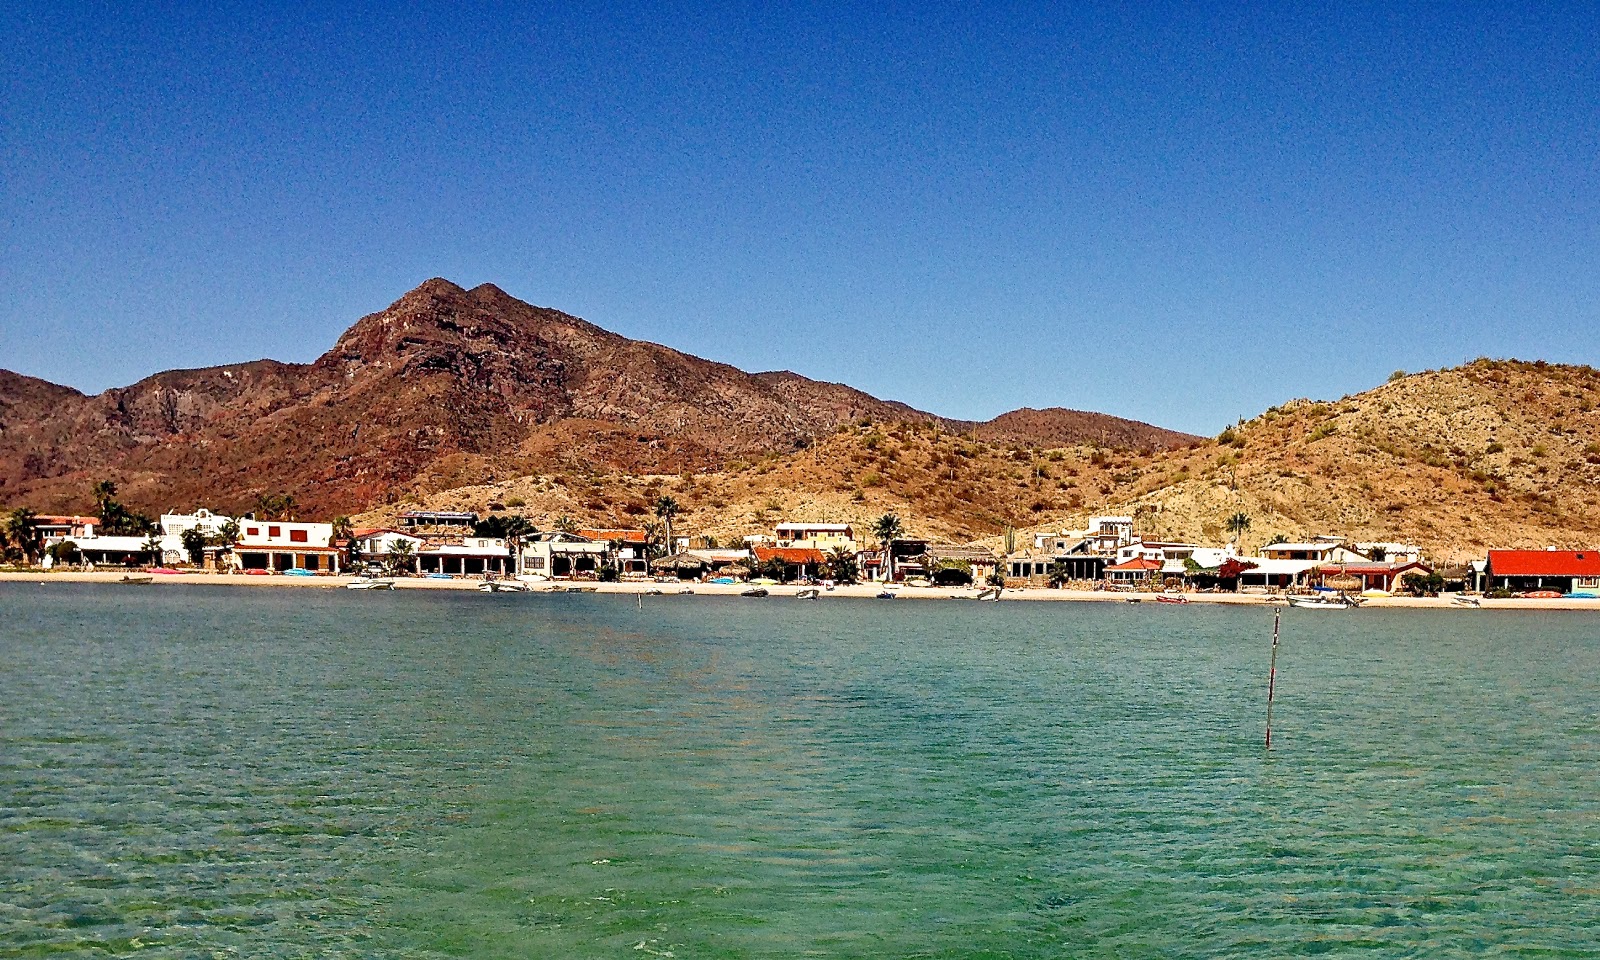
252, 531
297, 536
274, 531
535, 563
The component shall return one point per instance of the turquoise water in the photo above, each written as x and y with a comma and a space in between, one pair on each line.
292, 773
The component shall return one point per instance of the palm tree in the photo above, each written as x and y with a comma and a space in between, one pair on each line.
888, 529
515, 529
22, 526
666, 509
1059, 574
566, 524
104, 492
399, 557
152, 545
841, 565
1238, 524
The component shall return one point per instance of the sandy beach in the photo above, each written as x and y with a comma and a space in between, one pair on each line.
862, 590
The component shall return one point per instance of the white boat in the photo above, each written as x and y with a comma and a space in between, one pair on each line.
1465, 601
808, 593
502, 586
136, 578
989, 593
371, 583
1323, 603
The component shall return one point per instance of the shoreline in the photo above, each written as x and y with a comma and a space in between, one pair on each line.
857, 591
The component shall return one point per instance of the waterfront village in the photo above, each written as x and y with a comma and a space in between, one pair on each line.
1108, 554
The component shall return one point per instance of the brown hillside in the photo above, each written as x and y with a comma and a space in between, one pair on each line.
1058, 427
445, 387
1495, 453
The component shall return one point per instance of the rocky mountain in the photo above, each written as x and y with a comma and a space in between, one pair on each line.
445, 387
1495, 453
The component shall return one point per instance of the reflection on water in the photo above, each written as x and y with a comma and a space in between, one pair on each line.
190, 771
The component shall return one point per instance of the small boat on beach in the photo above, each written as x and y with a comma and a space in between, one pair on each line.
1462, 600
989, 593
137, 578
808, 593
371, 583
1171, 598
502, 586
754, 592
1336, 602
886, 595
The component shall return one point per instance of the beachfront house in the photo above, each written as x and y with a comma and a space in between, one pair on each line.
466, 557
1029, 568
1523, 571
1133, 572
53, 528
791, 563
1359, 577
420, 519
279, 545
981, 562
1276, 573
561, 556
114, 551
174, 525
1319, 549
1389, 551
375, 544
630, 548
826, 537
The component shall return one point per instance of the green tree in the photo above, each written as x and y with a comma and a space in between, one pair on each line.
63, 551
566, 524
401, 557
105, 494
666, 509
1059, 574
886, 530
841, 565
194, 544
1238, 524
275, 506
152, 545
23, 528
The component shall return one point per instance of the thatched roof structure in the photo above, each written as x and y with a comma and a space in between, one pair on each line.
680, 563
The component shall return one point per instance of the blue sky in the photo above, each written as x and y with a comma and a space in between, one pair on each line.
1182, 214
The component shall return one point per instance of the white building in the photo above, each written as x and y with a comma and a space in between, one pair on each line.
817, 536
473, 556
279, 545
562, 555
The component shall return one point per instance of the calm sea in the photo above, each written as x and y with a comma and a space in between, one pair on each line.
294, 773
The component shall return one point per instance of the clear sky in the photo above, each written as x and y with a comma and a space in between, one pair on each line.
1173, 213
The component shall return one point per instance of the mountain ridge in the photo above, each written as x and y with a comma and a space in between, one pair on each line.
446, 384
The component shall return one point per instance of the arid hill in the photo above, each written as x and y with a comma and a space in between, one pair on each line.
1496, 453
444, 388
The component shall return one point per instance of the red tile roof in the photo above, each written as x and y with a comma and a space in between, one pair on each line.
1137, 563
790, 554
1544, 563
626, 536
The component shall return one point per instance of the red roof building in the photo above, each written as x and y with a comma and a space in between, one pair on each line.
1563, 570
1135, 570
1373, 576
798, 556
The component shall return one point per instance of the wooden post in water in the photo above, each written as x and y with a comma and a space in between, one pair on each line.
1272, 674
